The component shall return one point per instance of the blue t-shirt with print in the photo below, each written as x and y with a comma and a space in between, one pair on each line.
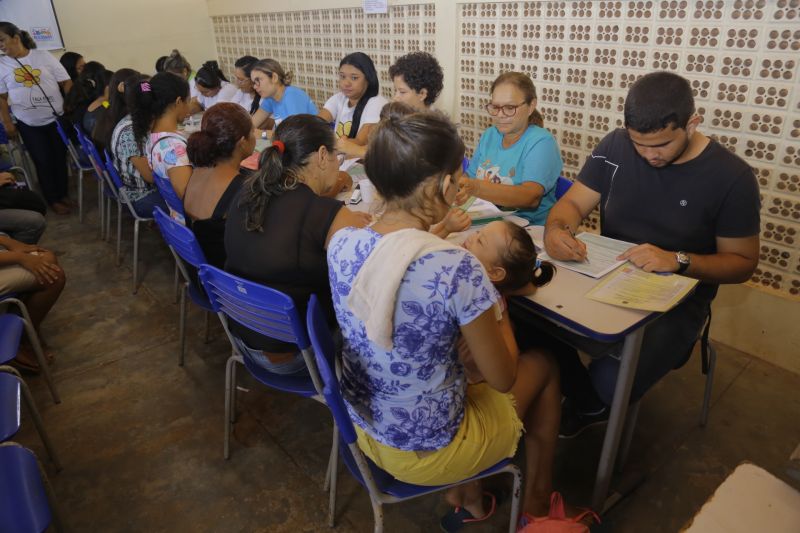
412, 397
534, 157
293, 102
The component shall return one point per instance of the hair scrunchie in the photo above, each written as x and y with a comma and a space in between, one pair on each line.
145, 87
280, 146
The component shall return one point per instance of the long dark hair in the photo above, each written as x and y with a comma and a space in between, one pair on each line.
89, 86
519, 259
525, 84
160, 64
301, 135
210, 76
407, 151
117, 108
223, 125
69, 60
364, 63
149, 100
246, 63
10, 29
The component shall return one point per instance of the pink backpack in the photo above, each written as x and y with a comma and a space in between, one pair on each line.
556, 521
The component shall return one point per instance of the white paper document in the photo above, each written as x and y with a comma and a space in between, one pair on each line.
634, 288
601, 252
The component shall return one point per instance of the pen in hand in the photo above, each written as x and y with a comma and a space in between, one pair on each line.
572, 234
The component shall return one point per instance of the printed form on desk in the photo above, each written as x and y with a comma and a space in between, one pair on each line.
632, 287
602, 253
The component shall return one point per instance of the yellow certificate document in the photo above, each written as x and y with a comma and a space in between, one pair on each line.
634, 288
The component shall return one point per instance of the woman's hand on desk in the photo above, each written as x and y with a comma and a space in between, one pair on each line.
651, 258
560, 244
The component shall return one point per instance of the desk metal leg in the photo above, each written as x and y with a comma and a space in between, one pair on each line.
616, 420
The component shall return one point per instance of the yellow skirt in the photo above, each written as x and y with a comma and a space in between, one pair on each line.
489, 432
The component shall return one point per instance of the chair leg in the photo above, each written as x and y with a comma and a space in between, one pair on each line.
230, 384
515, 500
119, 229
333, 469
627, 435
37, 421
377, 513
80, 195
233, 386
101, 210
182, 324
135, 256
177, 281
33, 337
712, 364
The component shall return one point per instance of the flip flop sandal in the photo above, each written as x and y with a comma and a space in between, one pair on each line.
458, 517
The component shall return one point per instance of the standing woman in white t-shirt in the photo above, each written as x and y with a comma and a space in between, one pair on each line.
213, 87
29, 89
356, 108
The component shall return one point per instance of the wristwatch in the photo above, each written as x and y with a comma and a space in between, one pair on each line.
683, 262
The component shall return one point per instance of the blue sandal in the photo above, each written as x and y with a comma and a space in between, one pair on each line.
458, 517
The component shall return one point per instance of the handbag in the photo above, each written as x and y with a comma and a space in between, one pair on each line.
557, 522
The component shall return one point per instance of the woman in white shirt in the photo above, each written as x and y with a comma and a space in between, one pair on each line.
29, 89
356, 108
246, 95
213, 87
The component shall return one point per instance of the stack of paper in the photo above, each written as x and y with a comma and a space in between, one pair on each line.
601, 253
632, 287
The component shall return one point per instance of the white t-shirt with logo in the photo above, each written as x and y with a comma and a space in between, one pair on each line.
226, 93
244, 99
25, 98
339, 108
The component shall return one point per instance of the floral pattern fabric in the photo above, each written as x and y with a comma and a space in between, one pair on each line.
123, 147
412, 397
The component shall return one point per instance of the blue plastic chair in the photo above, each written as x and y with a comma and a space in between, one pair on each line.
110, 191
382, 487
186, 250
11, 298
562, 186
79, 162
97, 167
27, 503
13, 390
122, 198
271, 313
175, 204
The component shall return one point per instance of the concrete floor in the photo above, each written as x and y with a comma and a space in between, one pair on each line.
141, 437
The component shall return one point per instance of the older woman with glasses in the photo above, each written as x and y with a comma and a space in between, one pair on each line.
517, 161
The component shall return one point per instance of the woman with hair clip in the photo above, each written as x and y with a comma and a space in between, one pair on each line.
415, 415
278, 229
129, 156
517, 161
176, 63
356, 108
279, 98
97, 107
213, 87
89, 85
216, 151
29, 89
157, 107
246, 96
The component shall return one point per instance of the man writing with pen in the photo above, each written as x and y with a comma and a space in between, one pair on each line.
691, 206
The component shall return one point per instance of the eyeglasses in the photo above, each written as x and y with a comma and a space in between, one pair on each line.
508, 110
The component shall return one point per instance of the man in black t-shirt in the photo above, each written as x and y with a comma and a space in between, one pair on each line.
691, 206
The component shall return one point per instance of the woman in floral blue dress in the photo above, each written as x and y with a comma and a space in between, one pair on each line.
403, 298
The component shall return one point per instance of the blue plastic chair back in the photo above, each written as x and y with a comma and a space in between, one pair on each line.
3, 134
23, 499
562, 186
62, 133
11, 327
254, 306
324, 350
180, 238
112, 170
164, 187
9, 406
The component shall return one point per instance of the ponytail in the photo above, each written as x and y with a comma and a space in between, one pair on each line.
223, 126
521, 262
11, 29
148, 100
295, 139
210, 76
536, 119
364, 63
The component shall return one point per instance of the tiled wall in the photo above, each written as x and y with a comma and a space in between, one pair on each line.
741, 56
